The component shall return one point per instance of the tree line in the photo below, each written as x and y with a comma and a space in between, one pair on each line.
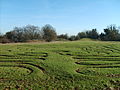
48, 33
29, 32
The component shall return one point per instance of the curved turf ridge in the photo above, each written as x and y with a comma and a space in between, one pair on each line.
70, 65
42, 69
21, 66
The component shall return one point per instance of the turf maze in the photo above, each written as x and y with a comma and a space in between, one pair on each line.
100, 61
91, 61
19, 64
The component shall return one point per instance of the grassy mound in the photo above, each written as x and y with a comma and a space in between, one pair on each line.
88, 39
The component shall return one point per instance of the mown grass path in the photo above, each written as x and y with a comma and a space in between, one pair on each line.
80, 65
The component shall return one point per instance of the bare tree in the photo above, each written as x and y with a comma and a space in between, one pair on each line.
22, 34
32, 32
49, 33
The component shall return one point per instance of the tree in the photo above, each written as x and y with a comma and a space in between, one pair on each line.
11, 36
72, 38
111, 33
63, 36
22, 34
82, 35
49, 33
32, 32
92, 34
1, 35
16, 35
3, 39
19, 34
102, 36
77, 37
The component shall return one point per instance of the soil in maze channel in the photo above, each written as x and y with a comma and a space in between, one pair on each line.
82, 63
13, 61
42, 69
113, 75
42, 58
21, 66
106, 67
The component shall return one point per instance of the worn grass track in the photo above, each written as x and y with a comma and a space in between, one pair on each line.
80, 65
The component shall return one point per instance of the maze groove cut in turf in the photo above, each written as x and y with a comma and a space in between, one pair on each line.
70, 65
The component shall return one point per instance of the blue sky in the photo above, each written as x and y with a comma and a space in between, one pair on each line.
67, 16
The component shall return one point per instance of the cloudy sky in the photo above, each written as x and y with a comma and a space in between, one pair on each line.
67, 16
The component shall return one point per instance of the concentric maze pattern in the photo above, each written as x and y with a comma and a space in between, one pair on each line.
90, 62
101, 61
96, 62
21, 64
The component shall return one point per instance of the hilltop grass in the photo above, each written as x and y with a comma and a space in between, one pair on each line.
77, 65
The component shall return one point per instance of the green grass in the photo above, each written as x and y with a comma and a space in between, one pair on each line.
77, 65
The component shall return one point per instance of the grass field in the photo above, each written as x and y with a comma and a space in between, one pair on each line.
78, 65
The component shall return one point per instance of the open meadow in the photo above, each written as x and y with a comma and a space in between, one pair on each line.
77, 65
